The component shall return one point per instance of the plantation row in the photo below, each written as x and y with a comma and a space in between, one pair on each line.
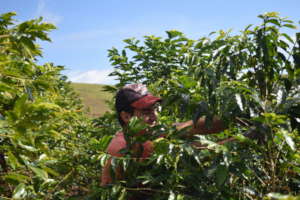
50, 149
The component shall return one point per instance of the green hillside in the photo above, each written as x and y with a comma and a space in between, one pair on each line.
93, 97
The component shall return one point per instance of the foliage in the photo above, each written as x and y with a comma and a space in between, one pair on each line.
45, 144
250, 80
50, 150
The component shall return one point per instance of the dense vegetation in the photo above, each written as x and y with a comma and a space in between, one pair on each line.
51, 150
44, 134
250, 80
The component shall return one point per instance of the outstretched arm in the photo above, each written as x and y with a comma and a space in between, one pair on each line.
217, 126
200, 127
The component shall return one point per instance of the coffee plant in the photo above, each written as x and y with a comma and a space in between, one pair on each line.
46, 143
250, 80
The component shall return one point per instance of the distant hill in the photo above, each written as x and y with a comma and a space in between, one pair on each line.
93, 98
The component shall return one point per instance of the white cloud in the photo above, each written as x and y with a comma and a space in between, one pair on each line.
92, 76
48, 16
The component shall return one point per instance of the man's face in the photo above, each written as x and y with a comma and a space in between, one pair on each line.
149, 115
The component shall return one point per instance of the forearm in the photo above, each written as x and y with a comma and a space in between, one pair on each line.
200, 127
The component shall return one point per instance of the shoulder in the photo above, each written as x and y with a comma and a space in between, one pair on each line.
116, 144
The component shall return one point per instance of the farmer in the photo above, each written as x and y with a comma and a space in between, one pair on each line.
135, 100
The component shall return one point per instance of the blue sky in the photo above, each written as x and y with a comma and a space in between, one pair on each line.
87, 29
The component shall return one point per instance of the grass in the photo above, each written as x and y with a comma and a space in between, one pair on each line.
93, 98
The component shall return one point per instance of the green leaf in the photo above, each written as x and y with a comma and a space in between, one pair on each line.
280, 196
45, 106
290, 26
173, 33
288, 38
171, 196
221, 174
27, 147
18, 177
51, 171
6, 18
123, 195
29, 43
20, 105
298, 38
6, 88
273, 21
13, 161
39, 172
19, 191
136, 125
289, 140
104, 141
287, 20
187, 81
103, 158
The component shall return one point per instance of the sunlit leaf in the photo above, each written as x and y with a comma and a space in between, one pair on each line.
39, 172
289, 140
172, 196
174, 33
19, 191
18, 177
